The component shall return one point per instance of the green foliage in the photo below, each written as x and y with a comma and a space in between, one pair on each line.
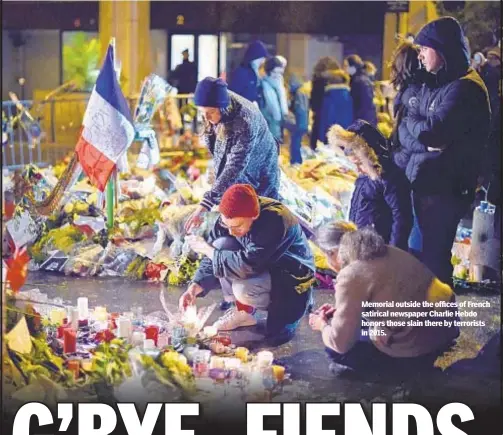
479, 21
80, 60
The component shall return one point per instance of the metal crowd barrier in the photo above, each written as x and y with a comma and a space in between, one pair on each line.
59, 121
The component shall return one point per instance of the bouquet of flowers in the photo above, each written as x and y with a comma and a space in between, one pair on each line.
153, 92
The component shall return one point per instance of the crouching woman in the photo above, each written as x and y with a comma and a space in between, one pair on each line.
387, 287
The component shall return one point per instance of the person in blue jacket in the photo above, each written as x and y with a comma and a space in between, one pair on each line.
452, 122
258, 253
337, 105
299, 97
381, 198
245, 80
362, 90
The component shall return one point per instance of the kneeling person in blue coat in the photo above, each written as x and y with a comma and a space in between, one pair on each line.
381, 198
258, 253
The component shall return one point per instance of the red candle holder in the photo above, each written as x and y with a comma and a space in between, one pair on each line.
61, 329
69, 341
152, 333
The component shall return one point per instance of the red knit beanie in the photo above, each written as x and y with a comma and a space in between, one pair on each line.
240, 201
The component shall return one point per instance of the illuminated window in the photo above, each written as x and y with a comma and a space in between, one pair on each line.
207, 56
178, 44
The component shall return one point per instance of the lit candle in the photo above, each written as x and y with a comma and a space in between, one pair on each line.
210, 331
232, 363
242, 353
265, 358
148, 344
124, 328
279, 373
152, 333
83, 306
138, 338
100, 314
190, 353
73, 317
73, 365
217, 362
69, 340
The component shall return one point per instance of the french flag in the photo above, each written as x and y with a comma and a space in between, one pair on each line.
107, 128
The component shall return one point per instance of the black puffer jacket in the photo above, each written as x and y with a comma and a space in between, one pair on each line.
362, 93
453, 115
408, 148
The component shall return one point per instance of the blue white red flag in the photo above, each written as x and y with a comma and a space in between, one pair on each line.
107, 129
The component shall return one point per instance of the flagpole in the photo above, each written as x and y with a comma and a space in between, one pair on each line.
110, 202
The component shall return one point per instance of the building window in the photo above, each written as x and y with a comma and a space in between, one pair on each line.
178, 44
207, 56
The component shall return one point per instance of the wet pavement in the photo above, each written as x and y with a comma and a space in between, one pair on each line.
304, 355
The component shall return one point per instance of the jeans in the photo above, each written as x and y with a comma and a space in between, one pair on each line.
415, 238
255, 291
438, 217
295, 146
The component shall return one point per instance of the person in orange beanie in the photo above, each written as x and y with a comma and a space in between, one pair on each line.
258, 254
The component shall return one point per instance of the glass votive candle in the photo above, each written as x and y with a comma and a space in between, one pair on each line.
190, 353
217, 362
73, 365
138, 338
100, 314
242, 353
233, 365
279, 373
148, 344
265, 358
201, 362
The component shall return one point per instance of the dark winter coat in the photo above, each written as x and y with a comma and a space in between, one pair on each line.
385, 201
244, 152
404, 143
362, 93
274, 244
453, 115
185, 77
337, 105
384, 204
317, 93
244, 80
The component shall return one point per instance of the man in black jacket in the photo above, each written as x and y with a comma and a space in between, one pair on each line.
452, 122
258, 252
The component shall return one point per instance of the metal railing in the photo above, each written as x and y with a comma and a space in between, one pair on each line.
59, 122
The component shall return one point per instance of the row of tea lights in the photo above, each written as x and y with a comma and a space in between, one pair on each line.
203, 362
